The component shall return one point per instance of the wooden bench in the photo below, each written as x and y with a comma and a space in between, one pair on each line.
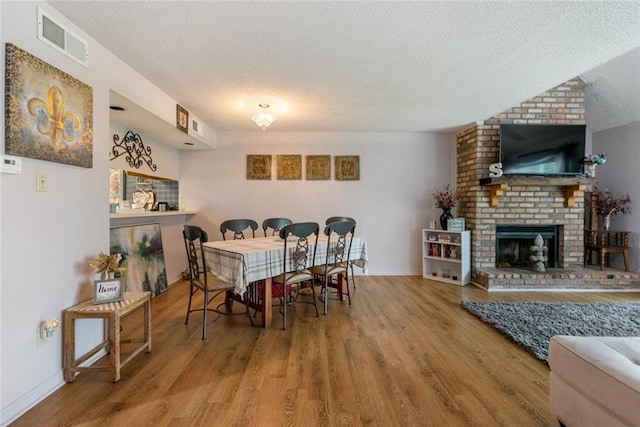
605, 243
111, 313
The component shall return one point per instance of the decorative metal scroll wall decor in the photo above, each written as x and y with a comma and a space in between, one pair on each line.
134, 148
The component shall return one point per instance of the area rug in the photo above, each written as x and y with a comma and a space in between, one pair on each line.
532, 324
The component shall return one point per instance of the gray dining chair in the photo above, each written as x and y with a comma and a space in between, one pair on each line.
200, 280
298, 260
337, 259
344, 218
275, 224
238, 227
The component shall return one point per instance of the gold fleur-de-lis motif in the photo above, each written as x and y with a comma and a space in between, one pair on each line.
56, 118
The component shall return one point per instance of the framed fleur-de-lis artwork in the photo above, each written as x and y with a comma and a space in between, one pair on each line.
347, 168
48, 113
259, 166
289, 166
318, 167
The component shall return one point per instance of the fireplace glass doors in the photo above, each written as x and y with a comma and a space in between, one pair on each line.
513, 245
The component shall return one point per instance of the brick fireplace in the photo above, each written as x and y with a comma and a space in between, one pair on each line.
556, 202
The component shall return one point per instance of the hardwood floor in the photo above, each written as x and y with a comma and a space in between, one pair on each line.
404, 353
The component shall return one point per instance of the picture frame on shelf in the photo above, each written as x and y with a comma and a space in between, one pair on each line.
455, 224
107, 290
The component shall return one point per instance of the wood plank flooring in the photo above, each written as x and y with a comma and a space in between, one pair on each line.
404, 353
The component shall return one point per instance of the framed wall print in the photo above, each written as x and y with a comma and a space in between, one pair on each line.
182, 118
109, 290
289, 166
318, 168
259, 166
48, 113
142, 256
347, 168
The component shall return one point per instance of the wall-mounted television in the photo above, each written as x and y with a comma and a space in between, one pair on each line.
542, 149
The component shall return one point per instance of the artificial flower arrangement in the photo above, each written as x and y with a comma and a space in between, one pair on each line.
595, 159
105, 264
446, 198
50, 326
607, 204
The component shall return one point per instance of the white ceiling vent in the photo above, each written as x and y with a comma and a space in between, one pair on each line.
195, 127
62, 39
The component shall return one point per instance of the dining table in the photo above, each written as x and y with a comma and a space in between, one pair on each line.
245, 261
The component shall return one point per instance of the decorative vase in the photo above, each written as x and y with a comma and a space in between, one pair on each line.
606, 224
590, 170
444, 218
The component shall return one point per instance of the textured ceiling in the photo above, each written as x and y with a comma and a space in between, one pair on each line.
357, 66
613, 95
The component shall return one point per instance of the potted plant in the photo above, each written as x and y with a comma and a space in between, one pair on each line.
107, 265
607, 204
590, 161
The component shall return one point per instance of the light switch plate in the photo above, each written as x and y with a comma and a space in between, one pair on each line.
41, 182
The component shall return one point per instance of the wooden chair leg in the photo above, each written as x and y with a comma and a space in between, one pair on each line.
626, 261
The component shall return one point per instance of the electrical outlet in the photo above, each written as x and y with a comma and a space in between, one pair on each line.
41, 182
40, 338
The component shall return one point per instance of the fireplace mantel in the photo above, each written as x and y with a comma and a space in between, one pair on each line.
573, 185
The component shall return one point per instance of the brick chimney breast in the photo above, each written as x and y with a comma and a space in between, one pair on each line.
533, 204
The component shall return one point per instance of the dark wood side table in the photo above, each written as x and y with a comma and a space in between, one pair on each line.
605, 243
111, 313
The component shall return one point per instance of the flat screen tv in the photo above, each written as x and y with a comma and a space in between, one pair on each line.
542, 149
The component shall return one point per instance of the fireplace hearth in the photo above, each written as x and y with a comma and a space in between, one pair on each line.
513, 245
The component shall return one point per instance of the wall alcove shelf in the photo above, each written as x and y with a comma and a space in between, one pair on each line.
573, 185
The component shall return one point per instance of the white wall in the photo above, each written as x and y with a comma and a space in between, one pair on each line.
620, 175
48, 238
391, 202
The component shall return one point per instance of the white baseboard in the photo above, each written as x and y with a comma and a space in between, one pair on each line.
21, 405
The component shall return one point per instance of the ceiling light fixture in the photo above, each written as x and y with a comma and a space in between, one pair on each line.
263, 119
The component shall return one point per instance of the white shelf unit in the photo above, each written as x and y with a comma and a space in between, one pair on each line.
446, 256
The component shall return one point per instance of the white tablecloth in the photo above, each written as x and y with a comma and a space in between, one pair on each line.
243, 261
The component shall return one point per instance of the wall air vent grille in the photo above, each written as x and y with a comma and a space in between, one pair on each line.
60, 38
196, 127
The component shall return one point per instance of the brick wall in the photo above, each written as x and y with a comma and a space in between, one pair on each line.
478, 147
